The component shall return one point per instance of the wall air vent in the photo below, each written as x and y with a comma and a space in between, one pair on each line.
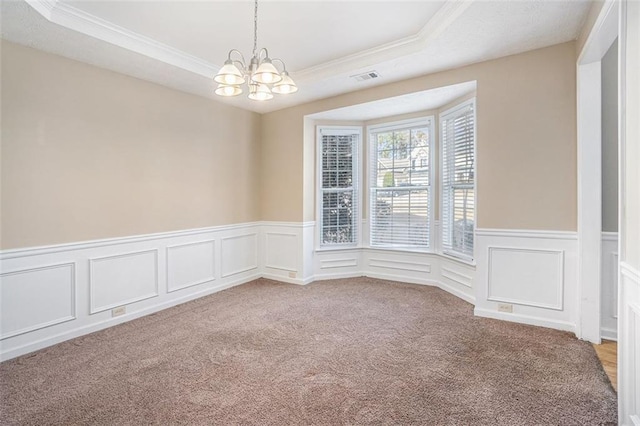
369, 75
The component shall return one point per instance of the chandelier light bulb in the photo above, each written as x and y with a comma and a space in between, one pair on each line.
228, 90
260, 92
285, 86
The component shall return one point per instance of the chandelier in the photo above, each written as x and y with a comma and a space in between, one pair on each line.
261, 75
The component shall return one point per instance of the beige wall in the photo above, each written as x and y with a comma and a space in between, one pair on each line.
526, 141
88, 154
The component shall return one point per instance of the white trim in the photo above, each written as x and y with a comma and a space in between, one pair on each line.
428, 121
525, 319
296, 225
338, 263
440, 237
56, 248
609, 236
68, 16
527, 233
602, 35
630, 272
456, 292
401, 265
609, 334
450, 274
442, 19
356, 184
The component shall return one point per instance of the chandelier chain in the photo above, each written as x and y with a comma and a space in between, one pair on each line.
255, 27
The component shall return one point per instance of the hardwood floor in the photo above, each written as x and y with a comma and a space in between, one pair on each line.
608, 354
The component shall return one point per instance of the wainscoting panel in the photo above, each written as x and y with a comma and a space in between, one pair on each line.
527, 276
122, 279
35, 298
399, 266
629, 345
609, 280
282, 251
55, 293
457, 278
338, 264
239, 254
190, 264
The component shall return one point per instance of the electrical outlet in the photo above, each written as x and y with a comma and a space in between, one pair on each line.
120, 310
292, 274
505, 307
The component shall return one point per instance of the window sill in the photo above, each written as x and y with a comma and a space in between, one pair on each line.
400, 250
337, 248
468, 262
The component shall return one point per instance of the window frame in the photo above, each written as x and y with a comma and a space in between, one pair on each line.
357, 179
455, 255
428, 121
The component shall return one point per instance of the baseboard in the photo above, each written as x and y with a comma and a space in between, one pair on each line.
462, 295
280, 278
609, 334
525, 319
336, 276
84, 330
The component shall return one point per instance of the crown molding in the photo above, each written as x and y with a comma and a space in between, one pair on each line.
70, 17
442, 19
75, 19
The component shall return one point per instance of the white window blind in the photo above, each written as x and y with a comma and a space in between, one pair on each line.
400, 185
338, 194
457, 127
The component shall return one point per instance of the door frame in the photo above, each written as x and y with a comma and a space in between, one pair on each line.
589, 101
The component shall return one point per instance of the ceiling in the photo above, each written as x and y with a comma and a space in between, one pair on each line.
423, 100
181, 44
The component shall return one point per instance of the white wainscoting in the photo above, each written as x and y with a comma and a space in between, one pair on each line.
629, 344
609, 286
533, 271
37, 297
51, 294
287, 251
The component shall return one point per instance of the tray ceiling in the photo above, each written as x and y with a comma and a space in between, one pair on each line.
182, 44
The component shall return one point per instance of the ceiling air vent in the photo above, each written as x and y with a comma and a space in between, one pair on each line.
369, 75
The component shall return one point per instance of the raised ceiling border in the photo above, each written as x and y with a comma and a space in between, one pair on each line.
75, 19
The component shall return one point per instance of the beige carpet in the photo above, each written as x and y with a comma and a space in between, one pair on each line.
354, 351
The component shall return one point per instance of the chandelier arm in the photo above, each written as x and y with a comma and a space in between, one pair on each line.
284, 67
241, 61
266, 54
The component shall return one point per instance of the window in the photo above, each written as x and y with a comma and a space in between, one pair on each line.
338, 175
457, 129
400, 184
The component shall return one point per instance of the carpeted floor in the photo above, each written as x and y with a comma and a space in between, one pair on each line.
353, 351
